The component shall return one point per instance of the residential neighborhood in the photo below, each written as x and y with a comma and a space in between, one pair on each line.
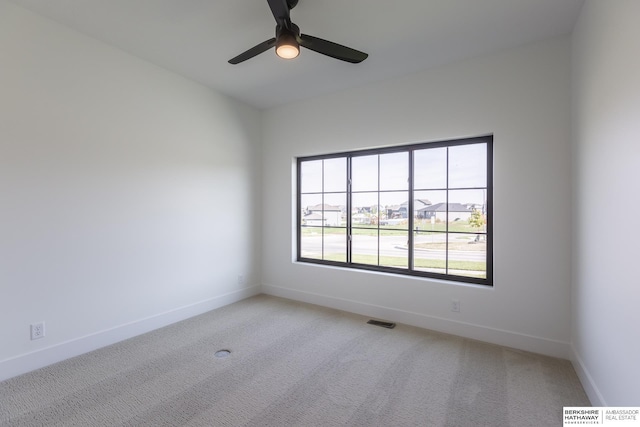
334, 216
313, 215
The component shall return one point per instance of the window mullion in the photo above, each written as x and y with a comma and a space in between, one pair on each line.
299, 210
323, 218
410, 217
446, 218
349, 233
378, 209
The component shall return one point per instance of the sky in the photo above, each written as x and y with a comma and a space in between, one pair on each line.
389, 173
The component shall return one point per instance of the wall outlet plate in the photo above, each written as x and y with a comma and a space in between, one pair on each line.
37, 330
455, 305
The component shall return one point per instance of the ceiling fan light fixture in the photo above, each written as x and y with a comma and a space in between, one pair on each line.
287, 46
288, 39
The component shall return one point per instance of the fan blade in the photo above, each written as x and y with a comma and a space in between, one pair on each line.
280, 10
332, 49
256, 50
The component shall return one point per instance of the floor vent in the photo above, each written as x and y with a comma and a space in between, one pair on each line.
387, 325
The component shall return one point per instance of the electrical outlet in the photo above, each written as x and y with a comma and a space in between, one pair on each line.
455, 305
37, 330
241, 280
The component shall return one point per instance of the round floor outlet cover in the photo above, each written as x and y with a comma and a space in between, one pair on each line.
222, 353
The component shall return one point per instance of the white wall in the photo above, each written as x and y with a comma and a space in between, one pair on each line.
128, 194
522, 96
606, 154
118, 182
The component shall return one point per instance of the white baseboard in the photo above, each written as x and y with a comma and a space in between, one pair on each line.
586, 379
482, 333
30, 361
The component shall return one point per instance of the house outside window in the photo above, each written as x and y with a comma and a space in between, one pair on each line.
421, 210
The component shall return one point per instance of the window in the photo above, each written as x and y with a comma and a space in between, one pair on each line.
421, 210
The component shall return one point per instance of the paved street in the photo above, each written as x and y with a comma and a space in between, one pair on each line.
389, 246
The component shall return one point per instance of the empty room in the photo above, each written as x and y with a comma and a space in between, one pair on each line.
319, 213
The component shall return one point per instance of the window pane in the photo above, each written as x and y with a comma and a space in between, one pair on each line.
364, 247
468, 255
393, 249
430, 168
468, 166
430, 210
394, 171
335, 205
364, 209
311, 205
364, 173
429, 252
311, 242
311, 176
466, 210
335, 244
391, 213
335, 174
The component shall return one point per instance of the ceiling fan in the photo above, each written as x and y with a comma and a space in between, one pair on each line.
288, 39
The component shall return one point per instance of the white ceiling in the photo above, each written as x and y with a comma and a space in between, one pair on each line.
196, 38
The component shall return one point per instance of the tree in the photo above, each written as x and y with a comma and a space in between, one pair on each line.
477, 220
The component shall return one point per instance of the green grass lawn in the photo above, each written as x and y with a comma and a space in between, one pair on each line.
396, 230
453, 246
401, 262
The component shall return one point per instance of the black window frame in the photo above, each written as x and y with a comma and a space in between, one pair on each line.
410, 149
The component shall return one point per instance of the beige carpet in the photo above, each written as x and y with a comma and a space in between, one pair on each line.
294, 364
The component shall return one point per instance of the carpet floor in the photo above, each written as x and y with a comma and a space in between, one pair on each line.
294, 364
